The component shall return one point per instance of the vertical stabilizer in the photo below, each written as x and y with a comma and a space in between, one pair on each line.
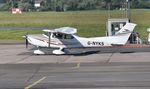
123, 35
128, 28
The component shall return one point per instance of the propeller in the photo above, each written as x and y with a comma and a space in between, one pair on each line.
26, 40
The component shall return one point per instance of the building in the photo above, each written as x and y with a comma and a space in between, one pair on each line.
37, 3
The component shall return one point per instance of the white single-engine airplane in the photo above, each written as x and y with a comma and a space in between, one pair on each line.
64, 38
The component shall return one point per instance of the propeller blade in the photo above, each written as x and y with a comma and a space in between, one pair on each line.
26, 38
26, 42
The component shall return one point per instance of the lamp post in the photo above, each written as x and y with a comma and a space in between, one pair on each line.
128, 10
12, 4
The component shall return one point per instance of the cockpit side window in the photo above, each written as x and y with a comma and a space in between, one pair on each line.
58, 35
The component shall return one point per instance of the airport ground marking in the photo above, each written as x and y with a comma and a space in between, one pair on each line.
35, 83
77, 66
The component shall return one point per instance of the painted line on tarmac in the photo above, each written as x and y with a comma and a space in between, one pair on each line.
35, 83
77, 66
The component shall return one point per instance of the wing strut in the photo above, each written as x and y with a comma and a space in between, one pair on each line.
49, 39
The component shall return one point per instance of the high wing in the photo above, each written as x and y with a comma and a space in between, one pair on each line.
63, 30
66, 30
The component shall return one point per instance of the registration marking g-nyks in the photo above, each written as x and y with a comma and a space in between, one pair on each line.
95, 43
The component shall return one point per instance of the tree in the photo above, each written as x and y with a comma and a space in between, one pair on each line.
25, 5
72, 5
136, 3
145, 4
87, 4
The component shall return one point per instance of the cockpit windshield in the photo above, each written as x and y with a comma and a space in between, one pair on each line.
47, 34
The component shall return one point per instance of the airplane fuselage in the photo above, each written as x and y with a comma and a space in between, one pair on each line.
74, 42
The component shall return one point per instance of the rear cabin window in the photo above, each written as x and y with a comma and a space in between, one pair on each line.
62, 36
67, 36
